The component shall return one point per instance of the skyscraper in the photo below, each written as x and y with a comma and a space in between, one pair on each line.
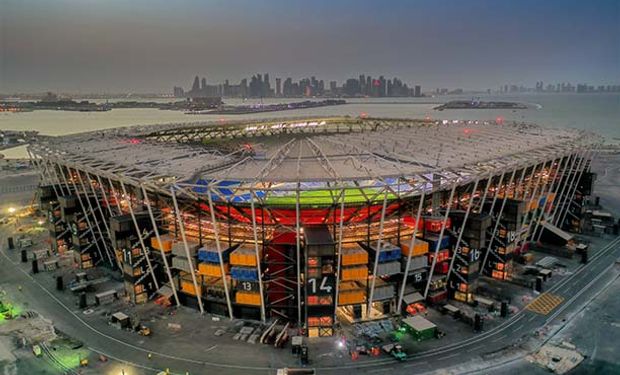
278, 87
417, 91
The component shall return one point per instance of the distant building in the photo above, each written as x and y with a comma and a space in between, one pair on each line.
417, 92
178, 92
278, 87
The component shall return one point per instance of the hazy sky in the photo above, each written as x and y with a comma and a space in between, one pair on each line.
151, 45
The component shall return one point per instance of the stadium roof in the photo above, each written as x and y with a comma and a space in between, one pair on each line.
285, 153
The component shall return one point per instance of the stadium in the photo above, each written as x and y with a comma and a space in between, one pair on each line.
316, 221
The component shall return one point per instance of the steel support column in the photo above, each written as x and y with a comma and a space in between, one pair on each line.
438, 245
145, 252
497, 220
92, 212
338, 264
411, 246
378, 250
589, 156
218, 246
90, 226
192, 272
298, 252
258, 259
460, 236
569, 185
147, 202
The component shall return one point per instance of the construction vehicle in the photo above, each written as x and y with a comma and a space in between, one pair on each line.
396, 351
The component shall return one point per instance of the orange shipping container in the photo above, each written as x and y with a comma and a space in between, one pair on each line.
351, 297
351, 257
243, 257
211, 269
248, 298
419, 248
354, 273
187, 286
166, 244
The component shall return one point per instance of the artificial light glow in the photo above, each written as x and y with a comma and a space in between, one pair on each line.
12, 210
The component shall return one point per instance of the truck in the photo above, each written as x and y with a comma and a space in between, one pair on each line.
396, 351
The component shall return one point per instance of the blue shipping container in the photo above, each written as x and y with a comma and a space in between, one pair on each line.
389, 255
244, 273
210, 255
432, 242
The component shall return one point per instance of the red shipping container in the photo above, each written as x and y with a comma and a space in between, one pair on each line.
434, 224
441, 255
442, 267
438, 297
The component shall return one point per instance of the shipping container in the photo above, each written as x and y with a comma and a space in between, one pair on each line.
389, 268
351, 293
387, 253
383, 291
354, 273
464, 297
244, 273
209, 253
419, 248
244, 257
248, 298
433, 240
441, 256
415, 263
419, 327
181, 263
438, 297
211, 269
442, 267
355, 256
187, 286
178, 248
166, 243
434, 224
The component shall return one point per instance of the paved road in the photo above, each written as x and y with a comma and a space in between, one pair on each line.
575, 289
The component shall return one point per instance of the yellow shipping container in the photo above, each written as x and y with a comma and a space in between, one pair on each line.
248, 298
354, 273
166, 244
351, 297
351, 257
187, 286
464, 297
243, 257
211, 269
313, 332
419, 248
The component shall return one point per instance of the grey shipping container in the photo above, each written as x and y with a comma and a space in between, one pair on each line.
389, 268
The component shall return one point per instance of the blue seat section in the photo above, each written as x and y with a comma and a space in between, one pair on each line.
225, 188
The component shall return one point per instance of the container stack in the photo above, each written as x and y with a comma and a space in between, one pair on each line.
244, 272
59, 232
137, 281
320, 275
464, 279
418, 267
437, 292
503, 246
389, 259
352, 292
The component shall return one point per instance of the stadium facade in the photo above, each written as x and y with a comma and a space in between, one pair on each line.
316, 220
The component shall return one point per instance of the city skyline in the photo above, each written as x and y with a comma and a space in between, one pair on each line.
74, 46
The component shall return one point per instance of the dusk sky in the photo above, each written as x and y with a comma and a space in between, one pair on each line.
151, 45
